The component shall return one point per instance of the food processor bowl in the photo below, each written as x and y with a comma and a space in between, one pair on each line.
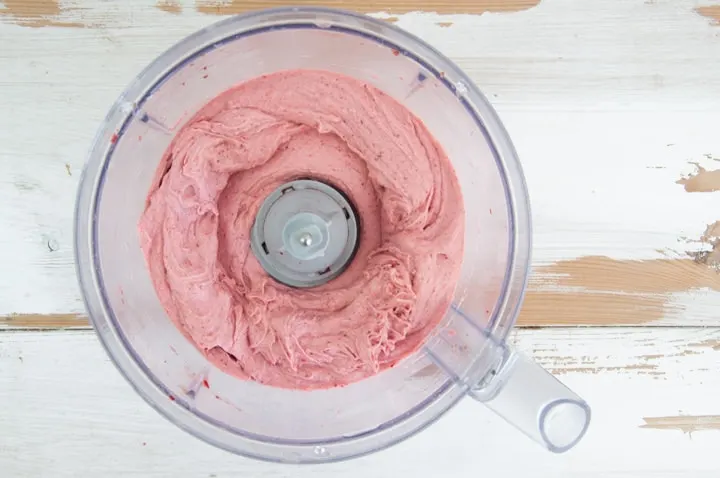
466, 354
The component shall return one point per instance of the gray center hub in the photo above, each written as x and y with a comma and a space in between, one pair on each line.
305, 233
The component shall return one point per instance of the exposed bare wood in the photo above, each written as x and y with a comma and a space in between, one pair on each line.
598, 290
686, 424
219, 7
169, 6
37, 13
710, 11
43, 321
703, 181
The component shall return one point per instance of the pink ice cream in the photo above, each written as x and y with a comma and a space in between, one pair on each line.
215, 175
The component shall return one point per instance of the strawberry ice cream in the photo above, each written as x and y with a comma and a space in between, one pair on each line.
195, 231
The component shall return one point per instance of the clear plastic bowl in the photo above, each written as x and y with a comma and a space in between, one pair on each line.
466, 354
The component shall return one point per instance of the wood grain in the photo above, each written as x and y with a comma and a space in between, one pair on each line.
69, 404
712, 343
702, 181
43, 321
604, 274
547, 309
650, 352
710, 11
37, 13
598, 290
216, 7
709, 257
56, 13
685, 423
169, 6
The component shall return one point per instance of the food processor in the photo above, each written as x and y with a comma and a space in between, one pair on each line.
466, 354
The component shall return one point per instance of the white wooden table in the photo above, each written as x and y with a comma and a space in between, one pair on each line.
614, 107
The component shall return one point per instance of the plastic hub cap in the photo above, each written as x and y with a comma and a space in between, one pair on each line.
305, 233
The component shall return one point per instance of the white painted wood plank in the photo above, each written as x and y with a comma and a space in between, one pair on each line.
596, 96
66, 412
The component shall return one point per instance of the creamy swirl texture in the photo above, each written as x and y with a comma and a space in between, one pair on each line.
213, 178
